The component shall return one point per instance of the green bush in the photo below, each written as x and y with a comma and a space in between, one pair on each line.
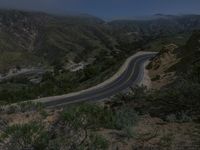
30, 106
98, 142
93, 116
157, 77
25, 136
90, 116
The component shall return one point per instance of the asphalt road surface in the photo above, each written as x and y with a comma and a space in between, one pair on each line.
132, 75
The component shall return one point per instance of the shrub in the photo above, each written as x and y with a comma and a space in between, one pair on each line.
157, 77
98, 142
24, 136
125, 117
93, 116
30, 106
88, 116
11, 109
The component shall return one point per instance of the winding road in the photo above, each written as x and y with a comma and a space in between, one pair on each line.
132, 74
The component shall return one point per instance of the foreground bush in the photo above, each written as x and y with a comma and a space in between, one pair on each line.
75, 128
24, 136
93, 116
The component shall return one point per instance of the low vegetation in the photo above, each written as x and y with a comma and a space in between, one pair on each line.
59, 81
74, 128
136, 118
54, 43
168, 118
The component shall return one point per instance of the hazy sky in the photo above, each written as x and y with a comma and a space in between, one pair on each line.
108, 9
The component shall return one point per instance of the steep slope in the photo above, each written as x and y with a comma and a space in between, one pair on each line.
39, 39
159, 67
189, 54
174, 61
35, 38
38, 52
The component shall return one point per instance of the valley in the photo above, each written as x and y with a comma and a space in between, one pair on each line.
75, 52
77, 82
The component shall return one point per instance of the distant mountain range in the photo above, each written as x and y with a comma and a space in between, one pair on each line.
39, 39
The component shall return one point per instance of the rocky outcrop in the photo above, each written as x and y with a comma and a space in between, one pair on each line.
159, 68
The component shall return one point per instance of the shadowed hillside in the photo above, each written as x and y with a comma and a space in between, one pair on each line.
39, 39
33, 38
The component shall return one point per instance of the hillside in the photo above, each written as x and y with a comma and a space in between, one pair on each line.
183, 87
45, 55
160, 72
190, 54
165, 25
182, 60
163, 118
161, 29
36, 38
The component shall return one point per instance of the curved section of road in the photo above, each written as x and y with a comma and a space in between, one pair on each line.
132, 74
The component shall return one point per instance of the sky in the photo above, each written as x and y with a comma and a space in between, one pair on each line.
107, 9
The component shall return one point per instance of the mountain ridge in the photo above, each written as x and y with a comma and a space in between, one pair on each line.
47, 38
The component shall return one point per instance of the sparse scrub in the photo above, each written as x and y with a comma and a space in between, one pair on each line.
21, 107
24, 136
76, 128
11, 109
30, 106
96, 117
98, 142
157, 77
166, 141
181, 99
